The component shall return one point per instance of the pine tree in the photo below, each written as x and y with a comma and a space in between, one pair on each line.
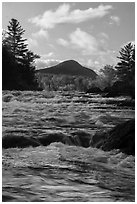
20, 64
29, 68
125, 68
15, 41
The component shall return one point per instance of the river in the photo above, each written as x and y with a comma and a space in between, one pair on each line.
64, 172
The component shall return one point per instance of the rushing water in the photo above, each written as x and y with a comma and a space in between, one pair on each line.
60, 172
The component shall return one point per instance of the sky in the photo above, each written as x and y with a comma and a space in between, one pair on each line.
92, 33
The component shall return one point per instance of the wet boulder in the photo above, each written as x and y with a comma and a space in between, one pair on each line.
77, 138
13, 141
120, 89
7, 98
48, 138
120, 137
95, 89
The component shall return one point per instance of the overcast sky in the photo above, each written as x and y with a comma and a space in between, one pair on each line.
90, 33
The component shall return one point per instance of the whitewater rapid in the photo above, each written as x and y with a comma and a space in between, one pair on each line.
62, 172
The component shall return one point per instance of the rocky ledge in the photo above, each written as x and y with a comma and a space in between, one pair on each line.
121, 137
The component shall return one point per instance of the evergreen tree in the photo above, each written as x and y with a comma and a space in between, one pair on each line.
126, 67
126, 70
28, 70
18, 70
15, 41
9, 69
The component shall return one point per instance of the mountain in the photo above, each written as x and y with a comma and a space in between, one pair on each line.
69, 67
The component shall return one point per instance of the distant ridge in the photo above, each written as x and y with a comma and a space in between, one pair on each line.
69, 67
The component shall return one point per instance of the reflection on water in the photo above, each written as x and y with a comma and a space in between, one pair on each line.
60, 172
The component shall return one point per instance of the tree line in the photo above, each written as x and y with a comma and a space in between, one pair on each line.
120, 79
114, 80
59, 82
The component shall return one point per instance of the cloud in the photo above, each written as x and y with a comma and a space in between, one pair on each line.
45, 56
40, 33
87, 43
99, 61
44, 63
49, 19
84, 41
62, 42
103, 35
94, 65
32, 43
114, 20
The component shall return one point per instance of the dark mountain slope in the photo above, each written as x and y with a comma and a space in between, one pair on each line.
69, 67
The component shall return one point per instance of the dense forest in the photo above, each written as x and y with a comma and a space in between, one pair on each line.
19, 70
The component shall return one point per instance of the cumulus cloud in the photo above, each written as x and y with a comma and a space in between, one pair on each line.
49, 19
40, 33
86, 42
99, 61
44, 63
33, 40
62, 42
94, 65
114, 20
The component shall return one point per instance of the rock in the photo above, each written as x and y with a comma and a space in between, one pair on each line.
119, 88
12, 141
96, 90
78, 138
47, 139
98, 138
121, 137
81, 138
7, 98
